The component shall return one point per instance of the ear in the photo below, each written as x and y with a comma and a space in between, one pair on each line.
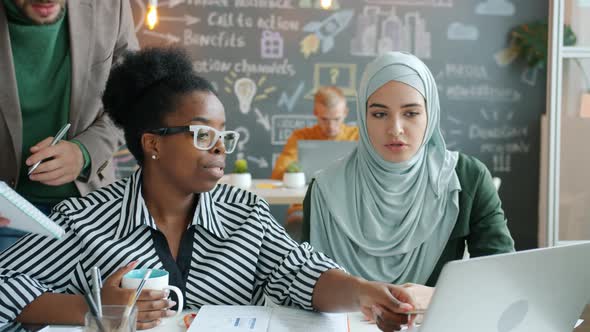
150, 144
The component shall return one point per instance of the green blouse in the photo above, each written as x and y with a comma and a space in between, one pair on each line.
481, 223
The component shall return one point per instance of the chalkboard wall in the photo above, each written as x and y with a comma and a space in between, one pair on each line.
267, 57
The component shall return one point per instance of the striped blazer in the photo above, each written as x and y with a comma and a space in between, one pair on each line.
236, 254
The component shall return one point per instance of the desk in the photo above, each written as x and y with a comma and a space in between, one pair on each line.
277, 194
355, 321
356, 324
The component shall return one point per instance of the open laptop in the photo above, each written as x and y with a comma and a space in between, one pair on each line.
315, 155
541, 290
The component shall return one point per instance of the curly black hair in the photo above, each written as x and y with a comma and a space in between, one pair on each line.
146, 86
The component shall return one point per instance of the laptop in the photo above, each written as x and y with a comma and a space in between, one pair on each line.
315, 155
540, 290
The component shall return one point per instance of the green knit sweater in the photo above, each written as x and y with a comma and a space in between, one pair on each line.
41, 55
481, 222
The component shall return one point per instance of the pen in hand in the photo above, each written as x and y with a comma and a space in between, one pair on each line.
62, 132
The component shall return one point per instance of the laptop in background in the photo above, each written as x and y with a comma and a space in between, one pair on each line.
540, 290
315, 155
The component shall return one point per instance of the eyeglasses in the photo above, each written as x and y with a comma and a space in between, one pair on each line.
204, 137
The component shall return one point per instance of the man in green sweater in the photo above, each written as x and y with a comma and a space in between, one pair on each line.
55, 56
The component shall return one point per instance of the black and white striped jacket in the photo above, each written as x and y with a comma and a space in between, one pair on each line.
236, 253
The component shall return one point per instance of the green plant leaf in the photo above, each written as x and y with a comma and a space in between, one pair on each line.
531, 40
241, 166
293, 167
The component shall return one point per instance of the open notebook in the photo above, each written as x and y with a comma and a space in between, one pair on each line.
24, 215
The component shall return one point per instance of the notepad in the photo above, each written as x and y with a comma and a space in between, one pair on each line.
24, 215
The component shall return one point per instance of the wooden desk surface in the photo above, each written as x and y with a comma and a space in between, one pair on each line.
273, 191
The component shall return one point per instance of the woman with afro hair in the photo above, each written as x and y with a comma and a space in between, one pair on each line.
219, 243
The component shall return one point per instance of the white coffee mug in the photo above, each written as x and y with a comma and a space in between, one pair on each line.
158, 280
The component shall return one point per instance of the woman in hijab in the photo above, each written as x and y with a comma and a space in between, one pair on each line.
401, 205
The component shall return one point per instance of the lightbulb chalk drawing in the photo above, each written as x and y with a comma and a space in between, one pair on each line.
245, 90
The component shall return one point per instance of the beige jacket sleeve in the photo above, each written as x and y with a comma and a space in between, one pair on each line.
102, 138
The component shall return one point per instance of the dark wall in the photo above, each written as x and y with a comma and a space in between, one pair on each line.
491, 105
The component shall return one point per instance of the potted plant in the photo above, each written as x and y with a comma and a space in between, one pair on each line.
529, 42
240, 177
294, 176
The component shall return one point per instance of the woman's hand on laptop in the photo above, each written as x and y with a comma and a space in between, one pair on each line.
386, 304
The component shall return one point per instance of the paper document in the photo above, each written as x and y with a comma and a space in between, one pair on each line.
262, 319
284, 319
62, 328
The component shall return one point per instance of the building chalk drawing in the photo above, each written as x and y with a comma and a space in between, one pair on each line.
406, 33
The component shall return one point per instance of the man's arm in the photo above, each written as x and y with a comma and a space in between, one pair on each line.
102, 138
288, 155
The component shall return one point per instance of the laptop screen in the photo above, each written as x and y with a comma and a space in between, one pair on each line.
315, 155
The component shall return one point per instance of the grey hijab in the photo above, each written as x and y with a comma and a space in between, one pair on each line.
382, 220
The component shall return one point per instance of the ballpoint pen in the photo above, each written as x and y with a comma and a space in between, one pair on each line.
94, 311
96, 285
62, 132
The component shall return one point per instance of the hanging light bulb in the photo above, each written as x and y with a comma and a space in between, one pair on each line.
326, 4
152, 15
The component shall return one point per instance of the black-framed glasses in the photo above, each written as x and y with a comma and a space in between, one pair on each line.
204, 137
